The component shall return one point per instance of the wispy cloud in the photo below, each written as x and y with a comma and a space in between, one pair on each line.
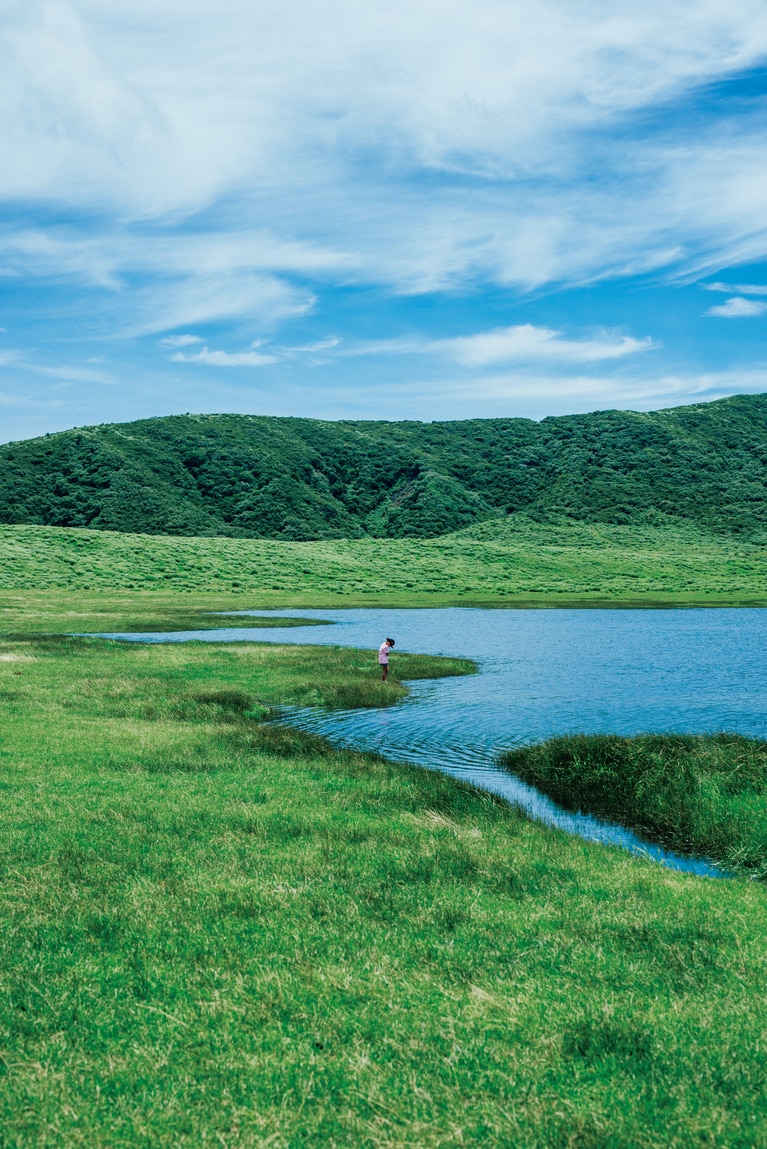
173, 341
507, 101
250, 358
314, 348
166, 306
291, 170
534, 392
31, 365
739, 288
523, 343
72, 373
520, 343
738, 308
526, 342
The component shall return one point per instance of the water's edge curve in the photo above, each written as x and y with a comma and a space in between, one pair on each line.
475, 764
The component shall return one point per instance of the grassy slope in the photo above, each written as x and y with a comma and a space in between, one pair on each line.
215, 932
517, 561
250, 476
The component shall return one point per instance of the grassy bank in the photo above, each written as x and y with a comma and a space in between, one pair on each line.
96, 612
214, 931
513, 561
705, 794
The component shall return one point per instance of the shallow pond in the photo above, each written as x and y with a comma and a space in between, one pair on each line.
542, 672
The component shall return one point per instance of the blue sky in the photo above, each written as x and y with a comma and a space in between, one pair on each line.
422, 210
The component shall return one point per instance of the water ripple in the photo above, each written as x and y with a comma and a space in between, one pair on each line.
542, 673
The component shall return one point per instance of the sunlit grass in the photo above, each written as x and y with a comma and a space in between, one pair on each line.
217, 931
510, 561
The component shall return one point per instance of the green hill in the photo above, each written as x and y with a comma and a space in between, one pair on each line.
260, 477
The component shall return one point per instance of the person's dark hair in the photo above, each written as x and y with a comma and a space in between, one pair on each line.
390, 641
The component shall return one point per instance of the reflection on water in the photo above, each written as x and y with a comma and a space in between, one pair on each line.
542, 672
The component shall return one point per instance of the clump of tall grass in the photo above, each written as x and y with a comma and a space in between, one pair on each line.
705, 794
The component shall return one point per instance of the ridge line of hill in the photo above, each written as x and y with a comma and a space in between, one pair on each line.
252, 476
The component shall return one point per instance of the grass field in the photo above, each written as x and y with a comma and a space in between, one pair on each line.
512, 561
218, 932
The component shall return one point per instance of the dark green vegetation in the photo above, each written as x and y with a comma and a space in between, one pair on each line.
705, 794
217, 932
251, 476
512, 561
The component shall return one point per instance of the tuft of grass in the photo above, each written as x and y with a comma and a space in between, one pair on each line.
704, 794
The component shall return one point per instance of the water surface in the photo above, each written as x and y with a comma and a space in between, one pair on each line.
542, 673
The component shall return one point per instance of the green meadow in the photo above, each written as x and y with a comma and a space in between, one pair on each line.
514, 561
218, 931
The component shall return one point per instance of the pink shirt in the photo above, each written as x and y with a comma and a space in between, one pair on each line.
383, 653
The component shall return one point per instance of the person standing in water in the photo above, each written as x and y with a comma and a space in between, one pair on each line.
383, 656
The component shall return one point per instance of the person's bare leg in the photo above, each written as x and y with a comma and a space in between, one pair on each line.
385, 672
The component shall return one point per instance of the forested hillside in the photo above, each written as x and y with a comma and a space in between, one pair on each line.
262, 477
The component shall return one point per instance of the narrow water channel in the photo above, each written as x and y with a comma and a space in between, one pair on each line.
541, 673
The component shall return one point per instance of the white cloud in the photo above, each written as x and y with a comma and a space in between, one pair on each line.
108, 257
521, 343
224, 163
163, 281
538, 393
314, 348
167, 304
738, 308
526, 342
199, 98
252, 358
74, 373
740, 288
308, 120
179, 341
